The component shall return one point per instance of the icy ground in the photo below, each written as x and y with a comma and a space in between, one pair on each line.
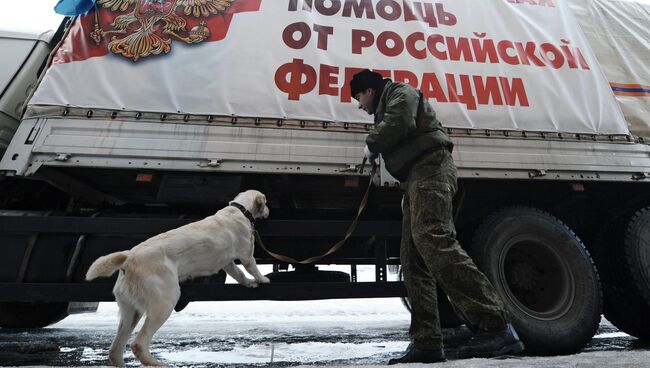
353, 332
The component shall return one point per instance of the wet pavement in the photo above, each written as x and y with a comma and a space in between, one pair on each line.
270, 335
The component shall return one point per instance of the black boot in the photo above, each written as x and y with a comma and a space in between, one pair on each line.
418, 355
489, 344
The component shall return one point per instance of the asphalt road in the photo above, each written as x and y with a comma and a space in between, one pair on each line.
280, 334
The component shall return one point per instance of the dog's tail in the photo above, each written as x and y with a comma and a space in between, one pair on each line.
106, 265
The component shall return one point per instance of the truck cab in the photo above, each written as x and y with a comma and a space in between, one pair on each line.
23, 59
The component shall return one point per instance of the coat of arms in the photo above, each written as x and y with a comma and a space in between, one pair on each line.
148, 27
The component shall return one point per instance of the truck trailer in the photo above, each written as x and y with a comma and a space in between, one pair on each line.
141, 116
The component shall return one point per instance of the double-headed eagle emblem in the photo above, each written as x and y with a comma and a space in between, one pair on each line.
148, 27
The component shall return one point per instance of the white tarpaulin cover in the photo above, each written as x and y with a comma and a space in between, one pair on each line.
489, 64
619, 33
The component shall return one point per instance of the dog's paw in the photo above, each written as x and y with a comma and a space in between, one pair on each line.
263, 280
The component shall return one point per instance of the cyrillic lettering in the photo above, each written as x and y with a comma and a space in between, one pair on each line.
444, 17
431, 87
503, 47
384, 48
295, 86
514, 92
459, 47
304, 35
410, 45
423, 12
426, 13
487, 91
345, 89
574, 57
307, 5
409, 16
466, 96
359, 7
432, 42
558, 57
361, 39
328, 76
527, 54
331, 10
393, 14
484, 49
323, 33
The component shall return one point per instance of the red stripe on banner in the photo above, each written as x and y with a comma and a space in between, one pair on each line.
622, 93
621, 89
222, 23
80, 45
622, 85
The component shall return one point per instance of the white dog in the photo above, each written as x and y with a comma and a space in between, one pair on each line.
148, 281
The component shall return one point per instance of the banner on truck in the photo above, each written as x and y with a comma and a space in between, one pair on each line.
619, 34
489, 64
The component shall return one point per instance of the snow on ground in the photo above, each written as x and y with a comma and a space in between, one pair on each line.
300, 320
352, 332
600, 359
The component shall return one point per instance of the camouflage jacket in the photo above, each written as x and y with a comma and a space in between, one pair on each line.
405, 129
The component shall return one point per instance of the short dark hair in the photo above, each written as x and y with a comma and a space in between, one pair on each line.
363, 80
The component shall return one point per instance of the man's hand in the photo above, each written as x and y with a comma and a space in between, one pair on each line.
371, 156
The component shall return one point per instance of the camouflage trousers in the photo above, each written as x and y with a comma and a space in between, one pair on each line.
431, 256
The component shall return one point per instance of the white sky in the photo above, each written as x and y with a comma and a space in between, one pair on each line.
38, 15
29, 15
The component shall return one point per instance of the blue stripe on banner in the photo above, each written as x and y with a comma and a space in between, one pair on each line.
632, 90
73, 8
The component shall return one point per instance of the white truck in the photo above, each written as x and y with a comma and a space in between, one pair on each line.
152, 113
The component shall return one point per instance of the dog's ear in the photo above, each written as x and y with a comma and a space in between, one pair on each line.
259, 201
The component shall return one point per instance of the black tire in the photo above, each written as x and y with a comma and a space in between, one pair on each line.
31, 315
623, 304
637, 252
544, 275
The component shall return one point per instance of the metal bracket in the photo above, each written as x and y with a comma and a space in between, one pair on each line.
210, 163
536, 173
62, 157
27, 257
381, 253
640, 176
350, 168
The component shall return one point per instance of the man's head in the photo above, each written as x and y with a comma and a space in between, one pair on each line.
363, 87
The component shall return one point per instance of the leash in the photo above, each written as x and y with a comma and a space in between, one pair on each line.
336, 246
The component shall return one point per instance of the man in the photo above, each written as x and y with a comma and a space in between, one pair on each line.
417, 152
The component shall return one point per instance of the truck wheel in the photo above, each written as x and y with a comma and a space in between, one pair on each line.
544, 275
637, 251
31, 315
624, 306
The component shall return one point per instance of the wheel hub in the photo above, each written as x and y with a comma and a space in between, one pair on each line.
539, 281
523, 276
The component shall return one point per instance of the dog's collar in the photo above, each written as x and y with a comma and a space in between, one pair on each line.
243, 210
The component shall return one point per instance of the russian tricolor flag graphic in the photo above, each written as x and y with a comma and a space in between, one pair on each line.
630, 89
72, 8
